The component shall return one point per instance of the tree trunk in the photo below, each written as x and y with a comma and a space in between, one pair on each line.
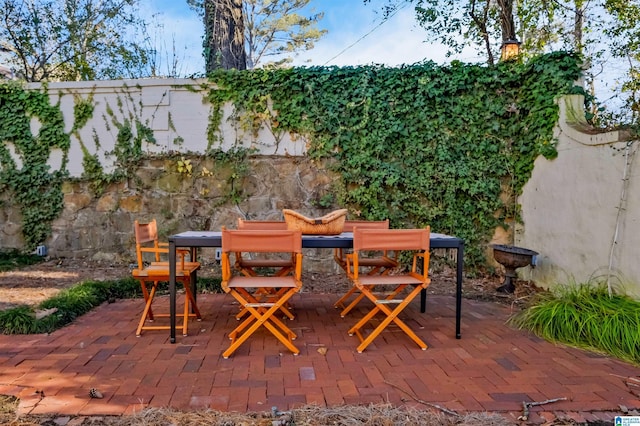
578, 24
506, 20
224, 35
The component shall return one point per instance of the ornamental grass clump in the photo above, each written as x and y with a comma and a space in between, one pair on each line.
75, 301
586, 316
66, 306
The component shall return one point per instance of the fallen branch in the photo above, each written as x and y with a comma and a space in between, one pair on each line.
527, 405
443, 409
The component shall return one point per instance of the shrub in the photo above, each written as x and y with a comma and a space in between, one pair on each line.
586, 316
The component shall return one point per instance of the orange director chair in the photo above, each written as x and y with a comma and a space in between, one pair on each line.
280, 288
410, 284
378, 263
249, 263
153, 269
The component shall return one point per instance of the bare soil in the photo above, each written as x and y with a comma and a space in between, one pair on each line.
35, 283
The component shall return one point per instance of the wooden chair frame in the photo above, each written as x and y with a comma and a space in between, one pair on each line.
414, 281
151, 273
381, 263
280, 288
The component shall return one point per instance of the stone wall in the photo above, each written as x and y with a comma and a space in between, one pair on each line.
101, 227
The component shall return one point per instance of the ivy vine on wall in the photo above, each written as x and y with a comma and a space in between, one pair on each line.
35, 187
419, 144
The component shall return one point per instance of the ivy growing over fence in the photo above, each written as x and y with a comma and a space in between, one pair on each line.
448, 146
36, 188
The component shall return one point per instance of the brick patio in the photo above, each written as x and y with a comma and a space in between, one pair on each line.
491, 368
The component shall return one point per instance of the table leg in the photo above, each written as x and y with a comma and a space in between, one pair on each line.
459, 266
172, 290
459, 269
194, 283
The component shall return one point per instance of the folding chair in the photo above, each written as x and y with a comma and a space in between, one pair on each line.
249, 263
281, 288
379, 263
413, 281
150, 273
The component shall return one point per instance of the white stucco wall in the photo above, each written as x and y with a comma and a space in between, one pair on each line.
175, 109
570, 207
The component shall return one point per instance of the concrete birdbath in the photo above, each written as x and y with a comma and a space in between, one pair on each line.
512, 258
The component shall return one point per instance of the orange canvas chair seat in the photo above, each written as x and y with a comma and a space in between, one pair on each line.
152, 270
279, 288
379, 262
401, 289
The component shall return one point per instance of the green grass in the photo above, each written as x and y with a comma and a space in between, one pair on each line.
586, 316
75, 301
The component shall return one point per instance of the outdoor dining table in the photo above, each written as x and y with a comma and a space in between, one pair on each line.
198, 239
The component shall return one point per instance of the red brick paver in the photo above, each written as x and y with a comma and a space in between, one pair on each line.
492, 368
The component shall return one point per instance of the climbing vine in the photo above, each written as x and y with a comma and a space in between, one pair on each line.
420, 144
34, 186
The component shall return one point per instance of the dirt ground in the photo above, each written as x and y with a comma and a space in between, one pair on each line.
35, 283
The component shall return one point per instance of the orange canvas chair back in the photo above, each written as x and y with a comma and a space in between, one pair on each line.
339, 254
147, 242
365, 224
279, 289
399, 239
400, 289
250, 262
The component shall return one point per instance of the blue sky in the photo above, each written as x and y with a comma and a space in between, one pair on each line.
356, 35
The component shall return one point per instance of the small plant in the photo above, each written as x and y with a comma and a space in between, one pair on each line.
586, 316
185, 167
78, 300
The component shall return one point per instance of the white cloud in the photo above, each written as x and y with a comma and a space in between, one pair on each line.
357, 35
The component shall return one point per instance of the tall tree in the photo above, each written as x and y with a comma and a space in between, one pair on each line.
625, 36
599, 29
224, 35
72, 40
271, 29
276, 29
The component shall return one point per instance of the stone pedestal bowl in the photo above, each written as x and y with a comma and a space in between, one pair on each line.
512, 258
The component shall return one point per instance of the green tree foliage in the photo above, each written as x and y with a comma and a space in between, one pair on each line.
600, 30
625, 36
73, 40
272, 29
